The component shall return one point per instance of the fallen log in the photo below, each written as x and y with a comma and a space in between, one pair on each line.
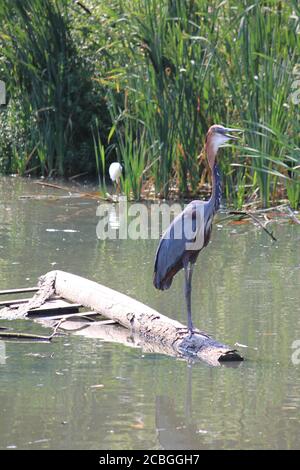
120, 335
142, 325
142, 321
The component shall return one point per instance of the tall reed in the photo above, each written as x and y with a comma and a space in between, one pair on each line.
49, 80
168, 69
190, 64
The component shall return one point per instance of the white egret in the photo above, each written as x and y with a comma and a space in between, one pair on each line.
115, 172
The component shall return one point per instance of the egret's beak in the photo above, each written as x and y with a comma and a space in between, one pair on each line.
228, 130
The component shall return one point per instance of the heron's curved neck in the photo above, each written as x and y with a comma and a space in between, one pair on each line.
216, 194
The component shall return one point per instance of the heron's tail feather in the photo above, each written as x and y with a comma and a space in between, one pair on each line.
161, 283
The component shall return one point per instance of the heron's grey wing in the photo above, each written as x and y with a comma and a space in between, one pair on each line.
208, 228
177, 242
168, 261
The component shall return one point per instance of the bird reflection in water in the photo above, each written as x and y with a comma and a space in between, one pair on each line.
178, 432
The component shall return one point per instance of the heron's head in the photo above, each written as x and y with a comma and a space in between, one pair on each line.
216, 136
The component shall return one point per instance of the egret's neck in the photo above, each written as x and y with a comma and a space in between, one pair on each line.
216, 194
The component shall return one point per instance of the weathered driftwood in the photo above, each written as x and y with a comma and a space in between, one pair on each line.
120, 335
45, 292
147, 324
142, 326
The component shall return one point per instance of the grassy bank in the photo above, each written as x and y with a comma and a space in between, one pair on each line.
141, 81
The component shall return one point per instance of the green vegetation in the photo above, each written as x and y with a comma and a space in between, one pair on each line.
141, 81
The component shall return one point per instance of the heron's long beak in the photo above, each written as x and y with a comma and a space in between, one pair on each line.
228, 130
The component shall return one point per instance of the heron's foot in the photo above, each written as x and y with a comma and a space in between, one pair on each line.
182, 331
191, 332
188, 330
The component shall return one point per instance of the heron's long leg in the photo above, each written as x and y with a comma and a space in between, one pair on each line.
188, 272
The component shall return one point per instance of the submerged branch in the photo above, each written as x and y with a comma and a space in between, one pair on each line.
256, 220
14, 335
88, 195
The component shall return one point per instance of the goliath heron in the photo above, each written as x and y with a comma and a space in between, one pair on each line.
190, 231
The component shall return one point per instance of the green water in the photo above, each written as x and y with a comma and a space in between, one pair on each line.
245, 290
